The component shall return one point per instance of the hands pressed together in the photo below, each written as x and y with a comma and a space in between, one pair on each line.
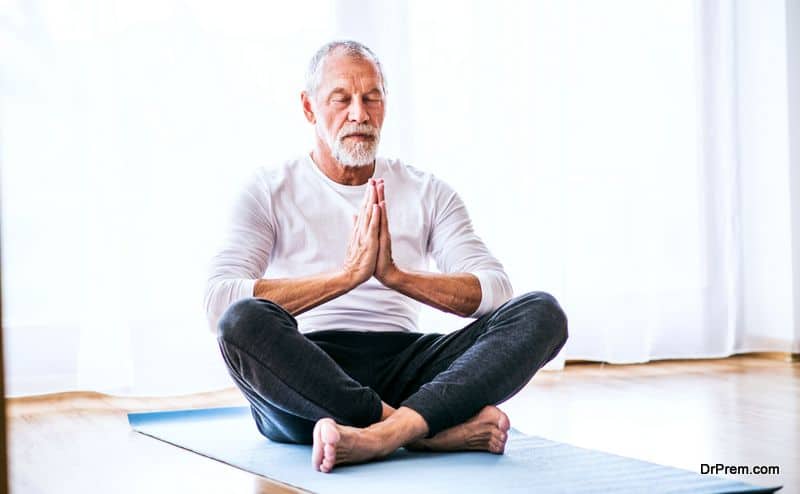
369, 252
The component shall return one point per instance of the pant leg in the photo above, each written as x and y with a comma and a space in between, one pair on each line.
290, 382
448, 378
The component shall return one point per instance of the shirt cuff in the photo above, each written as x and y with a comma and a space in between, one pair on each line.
485, 306
224, 294
247, 289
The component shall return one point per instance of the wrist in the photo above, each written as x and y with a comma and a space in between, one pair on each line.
348, 279
393, 277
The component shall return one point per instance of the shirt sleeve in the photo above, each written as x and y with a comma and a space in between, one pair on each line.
245, 252
457, 249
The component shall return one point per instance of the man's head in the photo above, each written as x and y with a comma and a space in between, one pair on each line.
344, 98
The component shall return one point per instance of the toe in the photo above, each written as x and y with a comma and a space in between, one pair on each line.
329, 433
329, 458
503, 423
317, 448
497, 447
326, 436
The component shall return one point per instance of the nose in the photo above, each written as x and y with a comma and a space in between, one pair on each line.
358, 112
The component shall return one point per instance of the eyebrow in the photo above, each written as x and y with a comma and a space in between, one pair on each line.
343, 91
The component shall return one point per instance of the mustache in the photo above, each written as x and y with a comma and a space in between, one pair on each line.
363, 129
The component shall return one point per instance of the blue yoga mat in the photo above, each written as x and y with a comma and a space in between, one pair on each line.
530, 464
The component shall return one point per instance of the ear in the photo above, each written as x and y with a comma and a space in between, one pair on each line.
308, 109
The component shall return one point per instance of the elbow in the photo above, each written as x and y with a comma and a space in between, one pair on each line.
506, 291
210, 306
221, 293
501, 292
495, 291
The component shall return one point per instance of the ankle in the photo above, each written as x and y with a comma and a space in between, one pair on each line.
402, 427
386, 411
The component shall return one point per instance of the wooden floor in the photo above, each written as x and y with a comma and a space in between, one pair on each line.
736, 411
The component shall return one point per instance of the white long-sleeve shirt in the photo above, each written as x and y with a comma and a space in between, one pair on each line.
294, 221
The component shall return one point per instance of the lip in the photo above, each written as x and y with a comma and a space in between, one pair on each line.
359, 136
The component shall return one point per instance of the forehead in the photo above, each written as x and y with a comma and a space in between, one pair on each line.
349, 72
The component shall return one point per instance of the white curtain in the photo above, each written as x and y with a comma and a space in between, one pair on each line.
630, 157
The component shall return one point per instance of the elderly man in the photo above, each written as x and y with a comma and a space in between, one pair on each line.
316, 292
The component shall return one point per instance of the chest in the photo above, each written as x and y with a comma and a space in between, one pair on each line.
314, 231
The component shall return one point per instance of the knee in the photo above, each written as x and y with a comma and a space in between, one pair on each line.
546, 316
283, 429
287, 436
248, 316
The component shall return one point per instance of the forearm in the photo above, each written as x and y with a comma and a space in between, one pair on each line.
458, 293
298, 295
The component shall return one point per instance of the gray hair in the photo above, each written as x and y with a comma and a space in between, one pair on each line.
351, 49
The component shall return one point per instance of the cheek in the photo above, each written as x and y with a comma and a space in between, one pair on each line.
330, 125
337, 121
377, 116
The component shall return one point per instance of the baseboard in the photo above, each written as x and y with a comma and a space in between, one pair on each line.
789, 357
780, 356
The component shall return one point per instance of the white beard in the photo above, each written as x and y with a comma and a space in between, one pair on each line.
353, 153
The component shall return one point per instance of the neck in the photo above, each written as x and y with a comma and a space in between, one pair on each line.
339, 173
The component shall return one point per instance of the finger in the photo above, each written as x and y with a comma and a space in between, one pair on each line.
364, 201
379, 187
375, 220
369, 200
384, 218
370, 213
385, 237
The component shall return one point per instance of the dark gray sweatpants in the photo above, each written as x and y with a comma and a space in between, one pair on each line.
292, 380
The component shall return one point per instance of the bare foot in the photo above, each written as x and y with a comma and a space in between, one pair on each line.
486, 431
336, 444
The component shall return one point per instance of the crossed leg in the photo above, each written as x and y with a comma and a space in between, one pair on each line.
486, 363
444, 387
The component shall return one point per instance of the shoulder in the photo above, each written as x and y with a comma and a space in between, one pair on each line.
422, 179
276, 176
425, 180
399, 168
269, 183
